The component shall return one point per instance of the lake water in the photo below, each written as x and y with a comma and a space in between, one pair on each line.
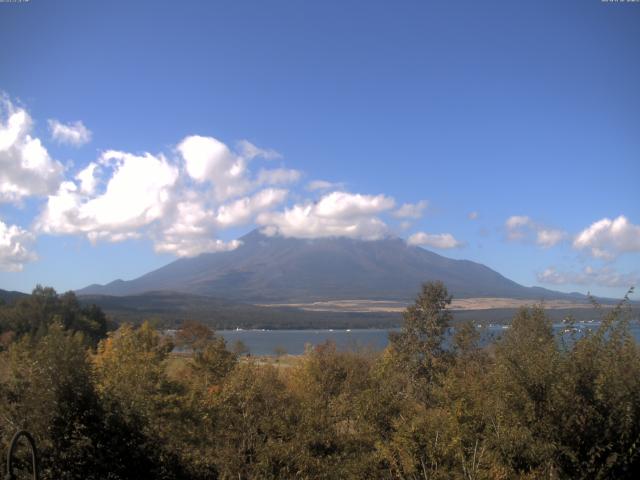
265, 342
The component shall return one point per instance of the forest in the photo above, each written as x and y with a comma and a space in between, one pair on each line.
107, 401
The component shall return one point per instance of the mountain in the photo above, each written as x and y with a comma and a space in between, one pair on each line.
275, 269
10, 296
171, 309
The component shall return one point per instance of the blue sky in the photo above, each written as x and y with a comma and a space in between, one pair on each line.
517, 124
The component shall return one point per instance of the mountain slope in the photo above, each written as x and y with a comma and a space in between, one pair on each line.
10, 296
276, 269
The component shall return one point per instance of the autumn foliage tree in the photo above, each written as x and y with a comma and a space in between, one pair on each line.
437, 403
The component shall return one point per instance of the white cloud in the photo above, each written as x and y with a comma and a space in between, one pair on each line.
249, 151
604, 277
278, 176
243, 210
347, 205
473, 215
193, 246
435, 240
209, 160
411, 210
14, 247
514, 226
521, 227
323, 185
75, 133
548, 237
189, 229
123, 196
338, 214
137, 194
87, 178
26, 168
608, 238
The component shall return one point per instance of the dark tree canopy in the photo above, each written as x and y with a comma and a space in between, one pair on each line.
34, 314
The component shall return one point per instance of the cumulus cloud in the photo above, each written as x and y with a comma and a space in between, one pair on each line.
26, 168
472, 216
603, 277
323, 185
14, 247
207, 159
243, 210
278, 176
194, 226
411, 210
434, 240
188, 229
337, 214
88, 178
523, 228
181, 207
181, 204
348, 205
137, 193
191, 246
608, 238
75, 133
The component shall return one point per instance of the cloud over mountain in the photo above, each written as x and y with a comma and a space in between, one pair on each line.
193, 199
336, 214
434, 240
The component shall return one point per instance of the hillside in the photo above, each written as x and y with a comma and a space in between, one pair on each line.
276, 269
9, 296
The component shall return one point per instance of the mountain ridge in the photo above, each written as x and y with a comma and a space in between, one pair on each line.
267, 269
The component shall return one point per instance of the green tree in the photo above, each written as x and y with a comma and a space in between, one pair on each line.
255, 424
419, 345
32, 315
337, 401
599, 402
47, 388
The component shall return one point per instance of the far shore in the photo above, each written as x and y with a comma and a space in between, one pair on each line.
461, 304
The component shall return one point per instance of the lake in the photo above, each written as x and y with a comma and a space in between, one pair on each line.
265, 342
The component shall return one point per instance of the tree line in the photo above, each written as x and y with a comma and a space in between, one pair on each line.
115, 403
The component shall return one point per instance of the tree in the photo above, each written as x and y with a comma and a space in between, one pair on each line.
32, 315
419, 345
194, 336
137, 395
213, 363
255, 424
598, 403
46, 387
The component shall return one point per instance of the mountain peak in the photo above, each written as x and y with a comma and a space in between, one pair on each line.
275, 269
